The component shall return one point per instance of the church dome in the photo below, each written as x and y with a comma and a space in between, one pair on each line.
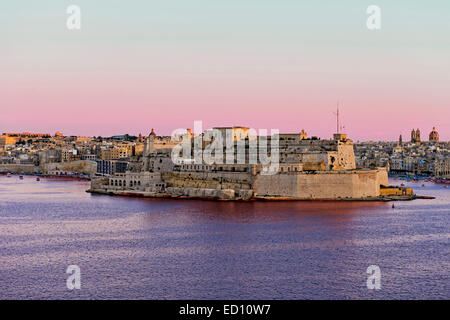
434, 135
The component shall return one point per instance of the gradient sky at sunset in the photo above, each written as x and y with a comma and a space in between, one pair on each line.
137, 65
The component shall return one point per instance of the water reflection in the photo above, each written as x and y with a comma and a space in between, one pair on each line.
172, 249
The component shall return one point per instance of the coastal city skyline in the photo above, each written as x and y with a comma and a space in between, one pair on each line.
405, 135
418, 153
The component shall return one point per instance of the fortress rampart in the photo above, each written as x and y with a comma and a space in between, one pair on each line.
308, 169
351, 184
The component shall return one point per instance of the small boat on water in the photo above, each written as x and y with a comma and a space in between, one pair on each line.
8, 175
443, 181
402, 184
423, 185
21, 177
38, 179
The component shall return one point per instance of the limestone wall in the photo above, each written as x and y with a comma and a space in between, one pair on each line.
19, 168
208, 180
346, 156
322, 185
383, 179
99, 183
226, 194
351, 184
80, 166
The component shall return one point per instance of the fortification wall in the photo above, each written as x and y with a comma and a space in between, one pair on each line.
208, 180
225, 194
322, 185
79, 166
383, 177
19, 168
99, 183
346, 156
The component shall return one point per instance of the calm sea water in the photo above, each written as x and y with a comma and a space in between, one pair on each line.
132, 248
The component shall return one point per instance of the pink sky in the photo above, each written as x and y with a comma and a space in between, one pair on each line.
115, 103
130, 77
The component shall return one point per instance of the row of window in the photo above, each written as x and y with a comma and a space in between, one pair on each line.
122, 183
289, 168
200, 167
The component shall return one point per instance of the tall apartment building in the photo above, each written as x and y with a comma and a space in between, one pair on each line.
111, 167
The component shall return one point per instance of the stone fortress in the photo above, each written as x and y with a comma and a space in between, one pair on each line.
308, 169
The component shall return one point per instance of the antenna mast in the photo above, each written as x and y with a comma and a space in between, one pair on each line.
337, 118
338, 125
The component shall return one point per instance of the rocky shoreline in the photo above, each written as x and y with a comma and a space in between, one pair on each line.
142, 194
